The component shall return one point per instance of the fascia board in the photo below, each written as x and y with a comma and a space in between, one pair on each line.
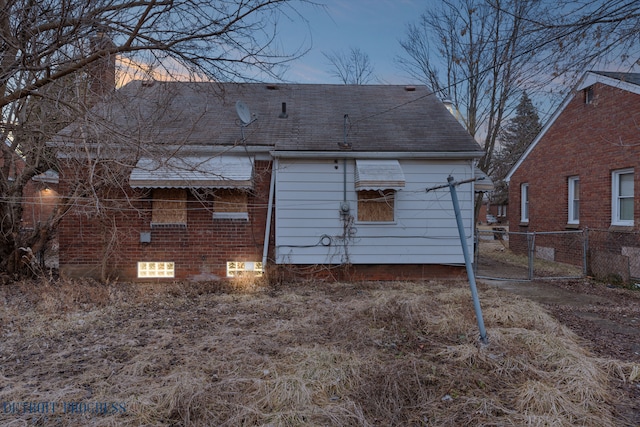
592, 78
376, 155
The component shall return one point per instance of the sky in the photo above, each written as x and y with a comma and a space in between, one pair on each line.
373, 26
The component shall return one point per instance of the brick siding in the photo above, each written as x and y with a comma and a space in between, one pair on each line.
586, 140
110, 246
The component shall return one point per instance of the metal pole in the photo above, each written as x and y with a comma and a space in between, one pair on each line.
467, 260
585, 251
267, 231
531, 252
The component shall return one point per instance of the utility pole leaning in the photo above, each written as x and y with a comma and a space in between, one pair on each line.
465, 251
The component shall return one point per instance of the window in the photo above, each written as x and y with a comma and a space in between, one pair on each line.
241, 268
230, 204
156, 269
588, 95
524, 202
169, 207
376, 205
622, 197
574, 200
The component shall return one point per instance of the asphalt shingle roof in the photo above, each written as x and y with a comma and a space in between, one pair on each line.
380, 118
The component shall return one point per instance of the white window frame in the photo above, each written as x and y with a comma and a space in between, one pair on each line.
524, 202
616, 197
574, 200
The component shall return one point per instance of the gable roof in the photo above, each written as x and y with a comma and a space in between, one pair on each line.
284, 118
625, 81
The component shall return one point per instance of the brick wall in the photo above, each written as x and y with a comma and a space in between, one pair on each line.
586, 140
109, 245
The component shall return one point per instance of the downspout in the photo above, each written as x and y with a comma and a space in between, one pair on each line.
344, 206
267, 233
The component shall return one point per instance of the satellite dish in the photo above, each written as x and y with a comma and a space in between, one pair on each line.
243, 112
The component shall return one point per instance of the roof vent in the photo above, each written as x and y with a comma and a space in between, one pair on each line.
410, 88
283, 114
148, 83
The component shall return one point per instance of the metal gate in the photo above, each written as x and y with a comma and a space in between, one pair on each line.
504, 255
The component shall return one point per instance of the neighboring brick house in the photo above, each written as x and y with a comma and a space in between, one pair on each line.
581, 172
190, 184
39, 195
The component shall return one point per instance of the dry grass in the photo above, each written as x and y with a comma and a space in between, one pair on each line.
403, 354
498, 251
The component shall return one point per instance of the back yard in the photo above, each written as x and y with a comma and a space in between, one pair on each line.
404, 354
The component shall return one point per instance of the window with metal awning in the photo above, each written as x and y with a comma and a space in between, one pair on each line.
222, 171
376, 182
225, 178
379, 175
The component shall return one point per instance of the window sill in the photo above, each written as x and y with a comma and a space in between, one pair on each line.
163, 225
524, 224
621, 228
571, 226
231, 215
376, 222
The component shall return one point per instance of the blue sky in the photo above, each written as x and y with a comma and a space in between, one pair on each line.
373, 26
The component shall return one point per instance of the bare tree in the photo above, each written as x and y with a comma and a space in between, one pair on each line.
473, 54
51, 56
587, 34
482, 53
352, 68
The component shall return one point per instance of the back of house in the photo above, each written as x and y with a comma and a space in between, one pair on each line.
203, 181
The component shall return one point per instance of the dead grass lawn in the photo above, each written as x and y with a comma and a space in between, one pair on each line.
403, 354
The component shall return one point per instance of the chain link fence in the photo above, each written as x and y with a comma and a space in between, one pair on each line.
505, 255
614, 254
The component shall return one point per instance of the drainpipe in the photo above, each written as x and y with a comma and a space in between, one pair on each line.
267, 233
344, 206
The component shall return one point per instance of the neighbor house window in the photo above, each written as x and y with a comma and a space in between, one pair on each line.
574, 200
524, 202
622, 197
230, 204
376, 205
169, 207
153, 269
588, 95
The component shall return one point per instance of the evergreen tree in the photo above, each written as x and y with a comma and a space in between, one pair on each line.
517, 134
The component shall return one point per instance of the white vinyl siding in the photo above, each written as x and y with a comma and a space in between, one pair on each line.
310, 229
574, 200
622, 197
524, 203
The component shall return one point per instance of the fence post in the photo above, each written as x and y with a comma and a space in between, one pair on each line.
585, 251
531, 242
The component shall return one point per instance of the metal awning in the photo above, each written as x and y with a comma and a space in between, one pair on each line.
222, 171
378, 174
484, 183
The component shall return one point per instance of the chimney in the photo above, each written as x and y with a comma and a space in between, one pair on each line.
102, 72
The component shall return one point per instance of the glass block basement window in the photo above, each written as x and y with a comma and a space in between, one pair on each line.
240, 268
154, 269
